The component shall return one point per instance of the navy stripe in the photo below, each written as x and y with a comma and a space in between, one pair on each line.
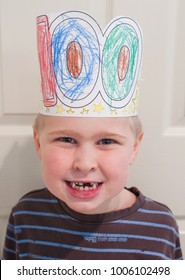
90, 235
12, 229
34, 256
155, 212
178, 248
39, 200
96, 250
10, 250
149, 199
140, 223
117, 221
45, 214
11, 238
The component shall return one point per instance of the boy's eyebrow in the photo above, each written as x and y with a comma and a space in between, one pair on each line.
105, 134
64, 132
110, 134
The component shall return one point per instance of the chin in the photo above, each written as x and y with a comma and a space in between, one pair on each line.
83, 209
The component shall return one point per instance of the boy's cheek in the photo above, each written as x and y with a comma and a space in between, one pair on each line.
54, 164
50, 174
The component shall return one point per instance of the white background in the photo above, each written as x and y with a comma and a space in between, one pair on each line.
160, 168
89, 270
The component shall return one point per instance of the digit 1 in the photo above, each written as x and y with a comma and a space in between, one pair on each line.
45, 58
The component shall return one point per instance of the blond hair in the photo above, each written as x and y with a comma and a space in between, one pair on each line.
135, 124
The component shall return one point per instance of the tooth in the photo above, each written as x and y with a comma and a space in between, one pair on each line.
73, 185
83, 186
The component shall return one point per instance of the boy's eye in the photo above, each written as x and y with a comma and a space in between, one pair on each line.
106, 141
66, 140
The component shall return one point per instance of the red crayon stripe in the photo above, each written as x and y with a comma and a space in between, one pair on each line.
45, 58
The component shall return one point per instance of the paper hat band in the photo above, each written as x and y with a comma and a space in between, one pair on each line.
85, 71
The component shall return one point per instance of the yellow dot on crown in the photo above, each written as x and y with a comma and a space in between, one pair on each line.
135, 101
84, 111
70, 111
60, 108
114, 112
98, 107
125, 111
129, 110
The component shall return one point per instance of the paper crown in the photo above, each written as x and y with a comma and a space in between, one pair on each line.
85, 71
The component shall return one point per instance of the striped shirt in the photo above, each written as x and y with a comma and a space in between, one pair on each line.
43, 227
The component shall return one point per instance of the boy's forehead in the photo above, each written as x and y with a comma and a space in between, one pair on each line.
78, 124
83, 120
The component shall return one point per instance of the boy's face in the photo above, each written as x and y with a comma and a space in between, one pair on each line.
85, 161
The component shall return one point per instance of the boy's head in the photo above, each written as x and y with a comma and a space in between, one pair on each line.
88, 132
85, 162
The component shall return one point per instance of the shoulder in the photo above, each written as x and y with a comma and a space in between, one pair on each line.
37, 194
154, 212
158, 213
149, 205
156, 207
36, 199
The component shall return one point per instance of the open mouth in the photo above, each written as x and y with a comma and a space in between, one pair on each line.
83, 186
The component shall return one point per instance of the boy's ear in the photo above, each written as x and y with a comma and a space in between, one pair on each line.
37, 142
136, 148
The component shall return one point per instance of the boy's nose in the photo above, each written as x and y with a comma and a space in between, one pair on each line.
85, 160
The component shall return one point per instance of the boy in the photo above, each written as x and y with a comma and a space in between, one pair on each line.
86, 136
